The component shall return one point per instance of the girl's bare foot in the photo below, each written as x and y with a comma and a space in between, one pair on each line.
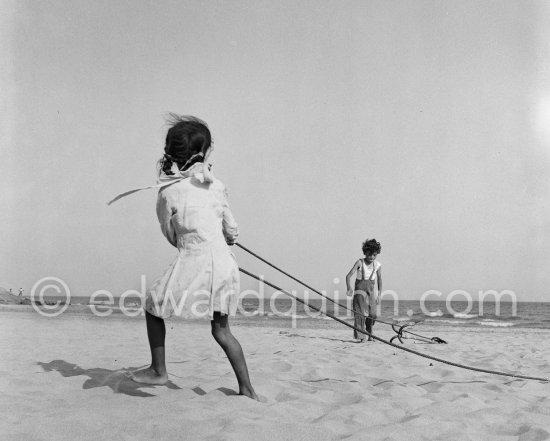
149, 376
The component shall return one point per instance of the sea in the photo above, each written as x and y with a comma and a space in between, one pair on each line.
433, 313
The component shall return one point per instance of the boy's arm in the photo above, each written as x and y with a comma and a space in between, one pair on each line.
350, 275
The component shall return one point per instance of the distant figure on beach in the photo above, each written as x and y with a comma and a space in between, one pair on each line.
195, 218
10, 291
365, 300
20, 291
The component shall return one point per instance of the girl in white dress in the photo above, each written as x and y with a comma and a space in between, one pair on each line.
203, 281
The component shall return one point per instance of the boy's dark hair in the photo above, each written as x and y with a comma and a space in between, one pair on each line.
187, 141
371, 246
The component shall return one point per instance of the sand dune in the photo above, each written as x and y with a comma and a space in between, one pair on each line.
65, 379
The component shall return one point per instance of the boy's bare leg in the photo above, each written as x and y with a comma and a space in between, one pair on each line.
359, 316
232, 348
369, 325
156, 373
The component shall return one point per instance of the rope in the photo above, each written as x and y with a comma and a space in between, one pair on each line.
322, 295
306, 285
487, 371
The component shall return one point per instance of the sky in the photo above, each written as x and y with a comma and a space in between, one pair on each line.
423, 124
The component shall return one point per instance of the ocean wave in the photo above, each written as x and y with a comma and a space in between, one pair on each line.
435, 314
485, 322
494, 323
288, 316
461, 315
403, 319
453, 322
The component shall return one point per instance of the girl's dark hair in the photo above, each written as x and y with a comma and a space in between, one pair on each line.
371, 246
187, 141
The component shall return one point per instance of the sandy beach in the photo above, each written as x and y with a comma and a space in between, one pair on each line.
65, 378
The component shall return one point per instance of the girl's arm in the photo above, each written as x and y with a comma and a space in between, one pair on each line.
379, 278
352, 271
229, 225
165, 211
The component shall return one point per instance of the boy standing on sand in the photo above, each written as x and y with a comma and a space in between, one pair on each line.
365, 300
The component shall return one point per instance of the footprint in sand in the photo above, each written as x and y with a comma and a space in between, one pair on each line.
341, 399
285, 396
527, 433
492, 387
431, 387
279, 366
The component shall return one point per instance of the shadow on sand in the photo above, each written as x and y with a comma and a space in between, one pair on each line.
118, 380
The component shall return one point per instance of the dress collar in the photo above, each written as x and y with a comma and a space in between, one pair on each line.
196, 171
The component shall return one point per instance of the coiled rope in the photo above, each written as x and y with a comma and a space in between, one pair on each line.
471, 368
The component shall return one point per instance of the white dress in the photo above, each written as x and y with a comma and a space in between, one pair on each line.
194, 216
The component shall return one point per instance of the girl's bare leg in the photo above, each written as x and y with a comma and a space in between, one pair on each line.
232, 348
156, 373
